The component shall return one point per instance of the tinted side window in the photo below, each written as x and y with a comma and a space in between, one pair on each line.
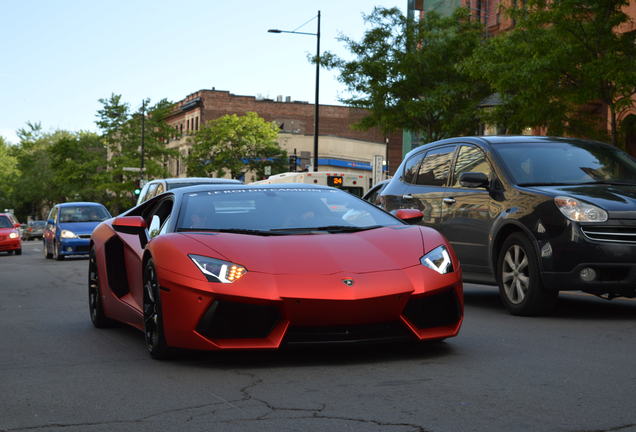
410, 168
470, 159
435, 168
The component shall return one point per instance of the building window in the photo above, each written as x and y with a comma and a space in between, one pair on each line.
196, 123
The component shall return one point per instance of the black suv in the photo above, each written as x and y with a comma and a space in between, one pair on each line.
533, 214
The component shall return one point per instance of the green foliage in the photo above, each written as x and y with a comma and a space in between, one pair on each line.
407, 73
236, 144
122, 137
8, 174
562, 58
78, 166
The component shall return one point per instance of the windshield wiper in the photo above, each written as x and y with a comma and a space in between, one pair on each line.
330, 228
229, 230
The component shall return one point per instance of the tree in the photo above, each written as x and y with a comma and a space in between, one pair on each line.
407, 73
121, 134
562, 59
236, 144
78, 163
9, 174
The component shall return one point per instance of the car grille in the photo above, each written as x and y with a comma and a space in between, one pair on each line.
84, 236
610, 234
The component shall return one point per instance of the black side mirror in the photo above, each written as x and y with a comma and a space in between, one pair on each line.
474, 180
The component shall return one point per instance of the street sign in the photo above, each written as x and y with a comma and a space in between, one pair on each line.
267, 170
131, 169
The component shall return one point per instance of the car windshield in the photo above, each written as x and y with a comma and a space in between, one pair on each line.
565, 163
279, 211
37, 224
83, 214
5, 222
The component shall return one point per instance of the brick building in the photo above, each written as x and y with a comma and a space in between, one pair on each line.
340, 146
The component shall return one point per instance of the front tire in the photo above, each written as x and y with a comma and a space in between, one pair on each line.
56, 253
95, 306
153, 315
45, 251
18, 251
520, 286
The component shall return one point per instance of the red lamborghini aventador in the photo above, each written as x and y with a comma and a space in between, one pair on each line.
246, 267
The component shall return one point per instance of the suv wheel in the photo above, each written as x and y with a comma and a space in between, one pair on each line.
520, 286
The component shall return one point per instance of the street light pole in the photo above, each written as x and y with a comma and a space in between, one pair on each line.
317, 99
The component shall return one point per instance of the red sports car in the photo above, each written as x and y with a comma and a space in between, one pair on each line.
257, 267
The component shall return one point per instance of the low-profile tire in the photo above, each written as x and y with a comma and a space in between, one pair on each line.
95, 306
18, 251
45, 251
153, 316
520, 285
56, 253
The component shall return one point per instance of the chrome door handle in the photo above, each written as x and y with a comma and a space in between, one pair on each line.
407, 196
449, 201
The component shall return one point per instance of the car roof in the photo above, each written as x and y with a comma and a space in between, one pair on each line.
213, 180
488, 140
241, 186
79, 203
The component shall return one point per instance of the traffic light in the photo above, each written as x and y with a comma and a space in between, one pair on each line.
292, 163
137, 191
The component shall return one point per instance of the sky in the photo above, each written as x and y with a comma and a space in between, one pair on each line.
58, 58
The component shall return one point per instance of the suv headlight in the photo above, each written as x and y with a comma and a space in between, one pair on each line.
579, 211
14, 235
68, 234
216, 270
439, 260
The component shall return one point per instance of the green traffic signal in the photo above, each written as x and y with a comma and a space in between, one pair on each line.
137, 191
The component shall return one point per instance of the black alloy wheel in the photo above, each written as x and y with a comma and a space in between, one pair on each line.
520, 286
153, 318
18, 251
95, 306
45, 251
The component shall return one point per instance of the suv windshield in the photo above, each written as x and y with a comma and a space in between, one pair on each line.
567, 163
281, 210
83, 214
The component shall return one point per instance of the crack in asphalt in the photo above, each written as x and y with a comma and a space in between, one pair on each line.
317, 413
612, 429
246, 392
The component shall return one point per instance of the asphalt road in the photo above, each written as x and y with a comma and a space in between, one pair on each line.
573, 371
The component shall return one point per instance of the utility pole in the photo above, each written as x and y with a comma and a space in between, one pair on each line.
143, 121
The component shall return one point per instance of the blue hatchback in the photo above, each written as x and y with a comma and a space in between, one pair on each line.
69, 227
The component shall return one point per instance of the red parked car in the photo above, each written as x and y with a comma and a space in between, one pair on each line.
219, 267
10, 234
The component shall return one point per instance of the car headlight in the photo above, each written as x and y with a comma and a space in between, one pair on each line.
216, 270
439, 260
14, 235
68, 234
578, 211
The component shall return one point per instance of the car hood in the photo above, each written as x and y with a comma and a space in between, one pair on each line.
6, 231
618, 200
382, 249
79, 227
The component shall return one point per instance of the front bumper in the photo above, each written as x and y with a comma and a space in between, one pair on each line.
264, 312
7, 244
587, 246
70, 247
